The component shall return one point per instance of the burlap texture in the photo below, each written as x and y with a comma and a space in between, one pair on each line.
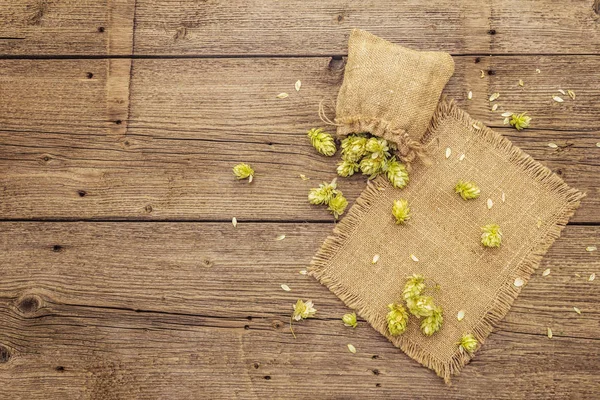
390, 91
444, 234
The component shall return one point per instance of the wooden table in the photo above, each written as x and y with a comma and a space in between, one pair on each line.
121, 273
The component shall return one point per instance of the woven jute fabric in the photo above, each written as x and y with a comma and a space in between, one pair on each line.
390, 91
444, 234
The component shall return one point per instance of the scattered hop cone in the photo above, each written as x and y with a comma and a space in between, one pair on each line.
468, 343
322, 141
467, 190
243, 171
323, 194
421, 306
401, 211
433, 323
354, 148
414, 286
491, 236
350, 320
337, 205
377, 147
397, 174
347, 168
397, 319
303, 310
371, 166
520, 121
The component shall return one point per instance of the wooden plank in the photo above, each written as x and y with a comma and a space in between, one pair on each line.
160, 310
192, 120
48, 27
299, 27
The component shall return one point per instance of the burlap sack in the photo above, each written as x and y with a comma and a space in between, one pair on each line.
444, 234
390, 91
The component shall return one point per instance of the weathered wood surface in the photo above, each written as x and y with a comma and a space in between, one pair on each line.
192, 308
298, 27
65, 157
189, 310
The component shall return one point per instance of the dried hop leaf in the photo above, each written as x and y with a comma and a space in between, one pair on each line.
350, 320
491, 236
347, 168
243, 171
467, 190
433, 323
303, 310
338, 205
520, 121
468, 343
323, 194
322, 141
397, 319
354, 148
401, 211
397, 174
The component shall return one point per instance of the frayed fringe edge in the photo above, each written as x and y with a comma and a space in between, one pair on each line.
507, 294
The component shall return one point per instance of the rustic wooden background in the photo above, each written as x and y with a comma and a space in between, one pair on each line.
121, 273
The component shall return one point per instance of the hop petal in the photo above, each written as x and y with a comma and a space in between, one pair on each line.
243, 171
491, 236
323, 194
413, 287
396, 173
303, 310
467, 190
338, 204
433, 323
468, 343
347, 168
322, 141
354, 148
350, 320
401, 211
397, 319
520, 121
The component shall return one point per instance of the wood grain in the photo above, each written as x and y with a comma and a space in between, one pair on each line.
192, 120
154, 310
299, 27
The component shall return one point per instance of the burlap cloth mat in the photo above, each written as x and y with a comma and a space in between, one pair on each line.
444, 234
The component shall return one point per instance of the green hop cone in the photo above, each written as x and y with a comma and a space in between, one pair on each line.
413, 287
396, 173
401, 211
491, 236
350, 320
347, 168
323, 194
322, 141
353, 148
421, 306
468, 343
243, 171
372, 166
520, 121
377, 147
467, 190
337, 205
433, 323
397, 319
